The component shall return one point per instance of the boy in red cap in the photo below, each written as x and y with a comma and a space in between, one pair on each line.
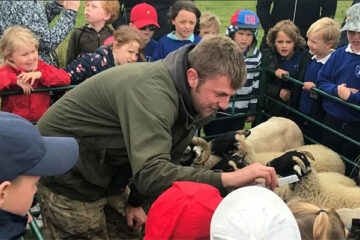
25, 156
184, 211
143, 18
243, 30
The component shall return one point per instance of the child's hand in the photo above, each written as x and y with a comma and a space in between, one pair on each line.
250, 119
285, 94
26, 87
279, 72
29, 76
136, 217
308, 86
344, 92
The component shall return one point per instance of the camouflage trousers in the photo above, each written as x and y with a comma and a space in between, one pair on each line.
66, 218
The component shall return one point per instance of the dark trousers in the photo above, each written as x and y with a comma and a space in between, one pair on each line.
340, 145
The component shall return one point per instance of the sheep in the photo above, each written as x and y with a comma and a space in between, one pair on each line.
275, 134
311, 188
236, 144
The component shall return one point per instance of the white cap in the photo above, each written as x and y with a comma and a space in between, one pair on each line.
253, 213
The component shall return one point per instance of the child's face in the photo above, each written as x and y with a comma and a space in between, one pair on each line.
25, 57
19, 196
243, 38
126, 53
95, 14
354, 40
184, 24
318, 46
208, 30
284, 45
144, 32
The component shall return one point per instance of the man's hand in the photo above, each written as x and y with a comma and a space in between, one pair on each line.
308, 86
248, 176
285, 94
136, 217
71, 5
344, 92
29, 77
280, 72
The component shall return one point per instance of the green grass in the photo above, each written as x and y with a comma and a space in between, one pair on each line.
224, 9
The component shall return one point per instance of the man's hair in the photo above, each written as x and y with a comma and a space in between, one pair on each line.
330, 30
316, 222
14, 37
110, 7
216, 56
290, 29
208, 20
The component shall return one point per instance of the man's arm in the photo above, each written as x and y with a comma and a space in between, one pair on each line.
263, 12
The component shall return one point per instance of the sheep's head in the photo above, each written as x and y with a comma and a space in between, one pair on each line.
229, 144
292, 162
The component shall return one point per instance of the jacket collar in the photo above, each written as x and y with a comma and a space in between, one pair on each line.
12, 226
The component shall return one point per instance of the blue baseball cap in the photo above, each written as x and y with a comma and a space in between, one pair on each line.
23, 151
245, 18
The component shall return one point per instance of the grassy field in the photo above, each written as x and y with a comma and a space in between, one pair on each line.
224, 9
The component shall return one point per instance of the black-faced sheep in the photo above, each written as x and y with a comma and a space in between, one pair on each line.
311, 188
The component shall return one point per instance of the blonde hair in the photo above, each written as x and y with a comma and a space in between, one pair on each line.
111, 7
217, 55
330, 30
290, 29
316, 222
125, 34
13, 38
208, 20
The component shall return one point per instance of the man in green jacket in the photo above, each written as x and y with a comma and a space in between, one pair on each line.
133, 122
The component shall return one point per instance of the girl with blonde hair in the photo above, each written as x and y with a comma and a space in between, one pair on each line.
23, 70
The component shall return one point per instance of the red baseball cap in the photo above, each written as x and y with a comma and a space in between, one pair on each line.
143, 14
184, 211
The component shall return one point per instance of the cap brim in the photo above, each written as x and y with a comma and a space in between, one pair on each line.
61, 155
143, 23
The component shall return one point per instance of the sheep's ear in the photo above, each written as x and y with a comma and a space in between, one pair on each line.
244, 133
247, 133
308, 154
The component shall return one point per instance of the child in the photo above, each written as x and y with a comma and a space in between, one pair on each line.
183, 211
253, 212
317, 222
243, 30
340, 77
209, 24
25, 156
184, 16
124, 49
89, 37
143, 18
22, 69
285, 56
323, 35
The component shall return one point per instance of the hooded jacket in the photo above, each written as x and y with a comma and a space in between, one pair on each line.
132, 120
32, 106
85, 39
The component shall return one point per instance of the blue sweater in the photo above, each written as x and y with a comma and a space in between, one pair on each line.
311, 75
167, 44
149, 50
342, 67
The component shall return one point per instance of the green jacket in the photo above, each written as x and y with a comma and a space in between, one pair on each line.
132, 120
